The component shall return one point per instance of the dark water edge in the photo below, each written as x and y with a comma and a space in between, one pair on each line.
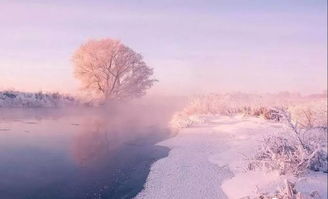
77, 156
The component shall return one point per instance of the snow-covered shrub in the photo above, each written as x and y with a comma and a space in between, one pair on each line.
182, 120
294, 152
283, 154
10, 99
310, 114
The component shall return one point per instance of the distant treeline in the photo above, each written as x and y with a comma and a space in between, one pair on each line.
12, 99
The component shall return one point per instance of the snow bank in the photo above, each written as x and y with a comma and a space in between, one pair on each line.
187, 172
211, 161
244, 122
251, 183
313, 182
254, 184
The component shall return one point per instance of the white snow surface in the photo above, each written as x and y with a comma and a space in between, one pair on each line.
210, 160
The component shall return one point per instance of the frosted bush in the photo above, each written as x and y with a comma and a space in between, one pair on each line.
285, 155
310, 114
182, 120
179, 121
294, 152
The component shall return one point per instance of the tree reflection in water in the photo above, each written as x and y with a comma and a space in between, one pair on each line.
114, 159
83, 153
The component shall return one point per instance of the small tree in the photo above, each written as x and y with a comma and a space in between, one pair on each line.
111, 70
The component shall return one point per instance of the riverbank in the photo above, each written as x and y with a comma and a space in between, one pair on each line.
210, 161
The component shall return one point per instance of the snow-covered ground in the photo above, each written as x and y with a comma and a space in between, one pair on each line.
210, 161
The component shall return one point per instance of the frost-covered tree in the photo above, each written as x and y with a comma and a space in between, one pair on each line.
111, 70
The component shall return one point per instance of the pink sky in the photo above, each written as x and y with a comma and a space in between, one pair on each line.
193, 46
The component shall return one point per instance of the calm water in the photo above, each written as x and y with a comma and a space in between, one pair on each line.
50, 154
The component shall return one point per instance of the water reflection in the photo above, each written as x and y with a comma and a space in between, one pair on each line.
100, 156
92, 144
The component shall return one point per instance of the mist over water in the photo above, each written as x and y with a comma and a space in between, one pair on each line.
103, 152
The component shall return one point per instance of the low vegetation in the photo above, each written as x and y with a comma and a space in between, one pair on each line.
307, 110
302, 149
17, 99
299, 149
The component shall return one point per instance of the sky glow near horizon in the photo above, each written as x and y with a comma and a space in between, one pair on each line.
193, 46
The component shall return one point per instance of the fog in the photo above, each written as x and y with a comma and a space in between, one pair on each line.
78, 152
